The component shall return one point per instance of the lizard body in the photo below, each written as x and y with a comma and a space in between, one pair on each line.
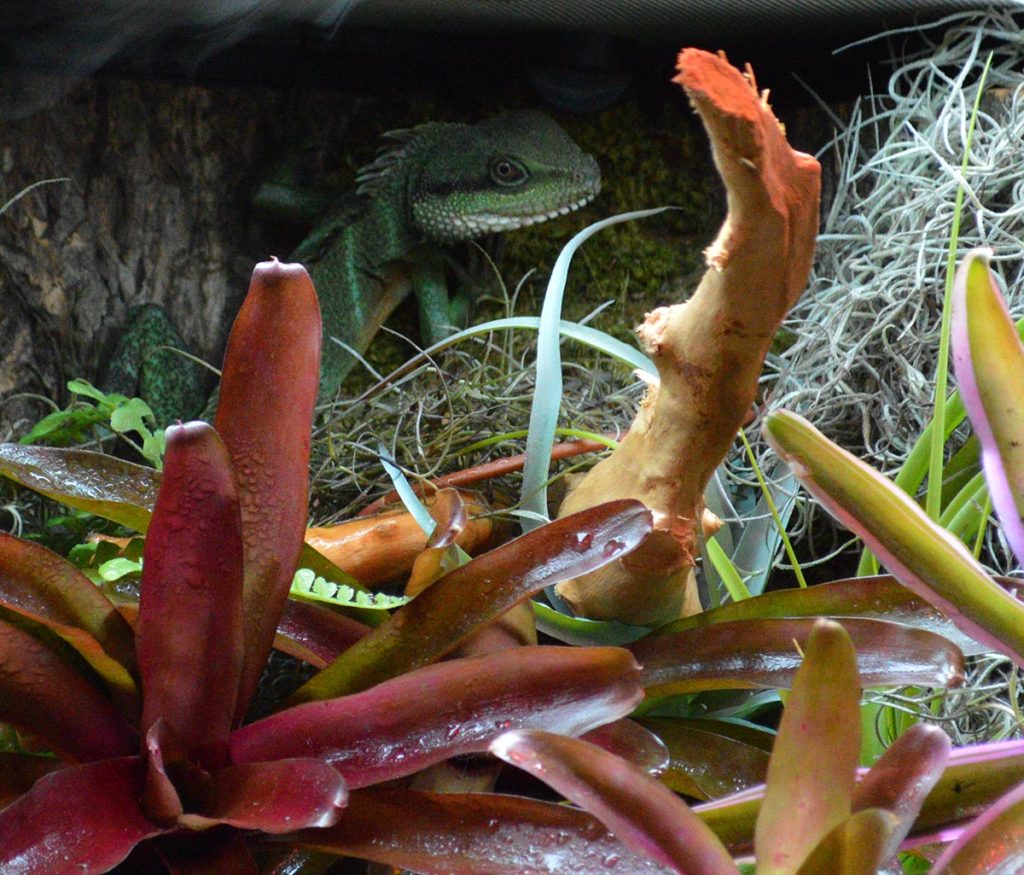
438, 184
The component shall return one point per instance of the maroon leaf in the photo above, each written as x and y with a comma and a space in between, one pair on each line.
316, 634
190, 607
457, 707
43, 694
880, 597
39, 585
160, 798
903, 777
762, 653
641, 811
265, 415
635, 744
474, 834
440, 617
82, 819
275, 797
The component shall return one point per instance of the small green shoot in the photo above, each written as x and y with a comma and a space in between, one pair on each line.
307, 585
124, 416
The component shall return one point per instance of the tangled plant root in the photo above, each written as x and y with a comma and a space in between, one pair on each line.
867, 330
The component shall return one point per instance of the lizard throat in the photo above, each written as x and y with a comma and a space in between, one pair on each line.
450, 227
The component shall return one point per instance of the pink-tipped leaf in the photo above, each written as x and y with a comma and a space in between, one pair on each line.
993, 843
989, 361
924, 557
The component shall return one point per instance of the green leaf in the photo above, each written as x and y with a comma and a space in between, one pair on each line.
306, 584
814, 762
922, 555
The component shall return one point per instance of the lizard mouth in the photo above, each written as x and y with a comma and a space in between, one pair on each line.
494, 223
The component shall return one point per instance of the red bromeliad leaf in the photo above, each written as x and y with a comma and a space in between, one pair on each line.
101, 484
445, 613
880, 597
641, 811
316, 634
82, 819
274, 797
457, 707
474, 834
265, 415
993, 843
989, 360
762, 653
634, 743
903, 777
709, 759
39, 585
43, 694
925, 557
814, 762
190, 607
160, 797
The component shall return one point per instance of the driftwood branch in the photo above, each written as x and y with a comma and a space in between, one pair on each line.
709, 351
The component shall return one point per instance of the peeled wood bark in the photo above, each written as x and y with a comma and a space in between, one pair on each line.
709, 351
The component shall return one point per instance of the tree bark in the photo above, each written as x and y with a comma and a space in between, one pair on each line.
156, 208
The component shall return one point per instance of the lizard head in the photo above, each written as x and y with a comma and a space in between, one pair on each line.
464, 181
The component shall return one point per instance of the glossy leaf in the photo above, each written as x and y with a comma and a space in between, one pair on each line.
190, 608
814, 761
989, 359
761, 653
881, 597
641, 811
40, 837
856, 846
993, 843
705, 762
404, 725
975, 777
40, 586
437, 620
316, 634
474, 834
924, 557
42, 693
274, 343
634, 743
902, 778
101, 484
273, 797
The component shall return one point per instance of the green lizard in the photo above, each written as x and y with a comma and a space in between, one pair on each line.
440, 183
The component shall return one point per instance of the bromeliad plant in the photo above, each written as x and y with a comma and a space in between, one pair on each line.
148, 762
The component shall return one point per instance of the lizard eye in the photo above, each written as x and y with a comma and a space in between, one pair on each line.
506, 171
